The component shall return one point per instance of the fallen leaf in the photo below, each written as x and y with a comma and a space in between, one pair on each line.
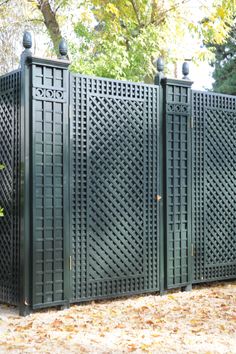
25, 327
132, 347
171, 297
156, 335
120, 325
57, 323
195, 322
145, 347
69, 328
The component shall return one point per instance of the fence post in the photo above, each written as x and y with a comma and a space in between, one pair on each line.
45, 108
177, 184
157, 81
25, 188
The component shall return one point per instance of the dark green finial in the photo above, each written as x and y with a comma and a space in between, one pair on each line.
160, 65
63, 49
27, 40
160, 69
27, 44
185, 70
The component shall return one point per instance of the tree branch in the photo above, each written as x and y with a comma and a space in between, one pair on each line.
4, 2
163, 14
58, 6
50, 20
134, 5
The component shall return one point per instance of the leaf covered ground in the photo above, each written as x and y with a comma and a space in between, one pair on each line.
201, 321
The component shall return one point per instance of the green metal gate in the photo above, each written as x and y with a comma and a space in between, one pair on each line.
114, 180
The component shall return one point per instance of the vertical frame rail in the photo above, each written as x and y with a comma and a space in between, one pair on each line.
177, 182
49, 182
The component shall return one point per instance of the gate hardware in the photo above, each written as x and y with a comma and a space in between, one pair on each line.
192, 249
70, 262
158, 197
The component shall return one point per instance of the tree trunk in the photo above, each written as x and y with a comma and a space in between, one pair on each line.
51, 23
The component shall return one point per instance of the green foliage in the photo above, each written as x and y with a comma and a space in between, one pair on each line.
225, 64
219, 31
216, 25
121, 38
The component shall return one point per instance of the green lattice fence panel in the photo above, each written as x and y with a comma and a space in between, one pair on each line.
177, 183
114, 179
214, 186
49, 183
9, 191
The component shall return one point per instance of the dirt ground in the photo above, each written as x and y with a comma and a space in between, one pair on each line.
201, 321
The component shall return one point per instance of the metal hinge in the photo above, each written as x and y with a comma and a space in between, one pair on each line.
191, 122
70, 262
192, 249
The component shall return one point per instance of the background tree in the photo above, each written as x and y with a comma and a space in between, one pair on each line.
13, 20
42, 17
122, 38
48, 12
219, 32
113, 38
224, 64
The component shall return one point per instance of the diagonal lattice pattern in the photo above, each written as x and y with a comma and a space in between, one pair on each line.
115, 188
220, 167
214, 186
6, 124
9, 156
114, 178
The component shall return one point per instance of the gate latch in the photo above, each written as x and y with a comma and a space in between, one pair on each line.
158, 197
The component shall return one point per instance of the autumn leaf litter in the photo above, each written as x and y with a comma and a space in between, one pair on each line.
201, 321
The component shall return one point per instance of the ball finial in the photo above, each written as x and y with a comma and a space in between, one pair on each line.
160, 65
27, 40
185, 70
63, 49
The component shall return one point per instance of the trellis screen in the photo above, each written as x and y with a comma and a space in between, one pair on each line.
114, 178
9, 186
110, 187
214, 186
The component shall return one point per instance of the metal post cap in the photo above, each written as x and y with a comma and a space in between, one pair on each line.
63, 48
185, 70
160, 65
27, 40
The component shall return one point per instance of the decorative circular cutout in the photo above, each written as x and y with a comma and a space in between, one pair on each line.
59, 95
39, 92
49, 94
